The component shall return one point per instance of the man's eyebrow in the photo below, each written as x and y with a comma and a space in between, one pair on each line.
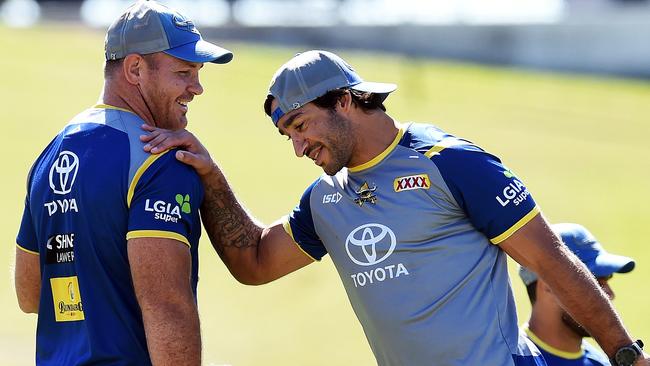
194, 65
289, 120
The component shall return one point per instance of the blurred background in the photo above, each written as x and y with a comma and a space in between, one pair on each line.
559, 89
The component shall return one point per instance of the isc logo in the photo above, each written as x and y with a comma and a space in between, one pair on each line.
332, 198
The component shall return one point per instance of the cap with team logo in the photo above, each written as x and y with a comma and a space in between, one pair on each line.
584, 245
148, 27
310, 75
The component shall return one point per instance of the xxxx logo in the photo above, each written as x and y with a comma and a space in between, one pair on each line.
184, 202
420, 181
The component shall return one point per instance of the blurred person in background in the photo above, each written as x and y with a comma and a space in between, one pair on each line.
417, 222
107, 248
557, 335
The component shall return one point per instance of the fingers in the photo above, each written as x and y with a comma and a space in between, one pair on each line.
148, 128
153, 132
201, 163
158, 144
158, 139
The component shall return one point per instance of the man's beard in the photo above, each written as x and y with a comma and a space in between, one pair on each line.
339, 143
574, 325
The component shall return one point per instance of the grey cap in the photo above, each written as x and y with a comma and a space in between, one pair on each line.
311, 74
148, 27
585, 246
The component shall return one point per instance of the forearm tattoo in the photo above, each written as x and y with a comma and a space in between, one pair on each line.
226, 221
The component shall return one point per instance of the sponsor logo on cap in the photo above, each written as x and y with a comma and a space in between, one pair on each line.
184, 24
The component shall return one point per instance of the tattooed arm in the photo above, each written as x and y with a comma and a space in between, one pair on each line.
253, 253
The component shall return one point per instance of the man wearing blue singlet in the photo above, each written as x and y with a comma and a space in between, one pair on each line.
557, 335
107, 249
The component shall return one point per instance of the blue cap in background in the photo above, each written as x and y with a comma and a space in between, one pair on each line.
585, 246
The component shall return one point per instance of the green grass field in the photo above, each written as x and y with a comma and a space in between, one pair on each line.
579, 142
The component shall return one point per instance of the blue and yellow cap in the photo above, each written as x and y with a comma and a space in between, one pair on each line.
148, 27
310, 75
585, 246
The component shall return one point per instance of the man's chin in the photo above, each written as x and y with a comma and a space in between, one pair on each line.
574, 326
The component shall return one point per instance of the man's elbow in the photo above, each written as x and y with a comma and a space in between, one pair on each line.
28, 306
252, 278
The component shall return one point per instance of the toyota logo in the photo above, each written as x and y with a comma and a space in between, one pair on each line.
63, 172
364, 243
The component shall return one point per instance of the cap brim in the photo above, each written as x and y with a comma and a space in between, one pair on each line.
201, 51
371, 87
607, 264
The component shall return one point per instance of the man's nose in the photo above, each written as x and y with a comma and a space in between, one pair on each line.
299, 146
196, 88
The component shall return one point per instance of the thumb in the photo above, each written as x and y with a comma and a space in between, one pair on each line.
193, 160
185, 157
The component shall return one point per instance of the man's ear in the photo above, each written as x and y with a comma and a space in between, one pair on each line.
345, 102
132, 67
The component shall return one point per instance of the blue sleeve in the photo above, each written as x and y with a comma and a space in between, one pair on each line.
166, 201
495, 200
300, 226
26, 238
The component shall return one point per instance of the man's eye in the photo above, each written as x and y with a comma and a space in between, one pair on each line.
300, 127
184, 73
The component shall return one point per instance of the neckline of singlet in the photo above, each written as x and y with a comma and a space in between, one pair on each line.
377, 159
550, 349
108, 106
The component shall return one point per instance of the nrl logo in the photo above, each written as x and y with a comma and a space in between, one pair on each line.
366, 194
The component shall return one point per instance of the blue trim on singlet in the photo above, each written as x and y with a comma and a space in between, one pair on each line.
302, 226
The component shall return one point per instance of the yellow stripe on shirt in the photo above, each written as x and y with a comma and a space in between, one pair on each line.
287, 228
107, 106
377, 159
157, 234
524, 220
138, 174
443, 144
26, 250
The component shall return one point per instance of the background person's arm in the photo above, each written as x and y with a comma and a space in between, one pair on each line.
161, 271
536, 247
27, 278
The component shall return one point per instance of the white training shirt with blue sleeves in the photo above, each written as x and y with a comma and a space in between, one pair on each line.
413, 236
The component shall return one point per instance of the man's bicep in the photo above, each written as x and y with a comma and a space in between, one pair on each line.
27, 278
160, 269
279, 253
532, 244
